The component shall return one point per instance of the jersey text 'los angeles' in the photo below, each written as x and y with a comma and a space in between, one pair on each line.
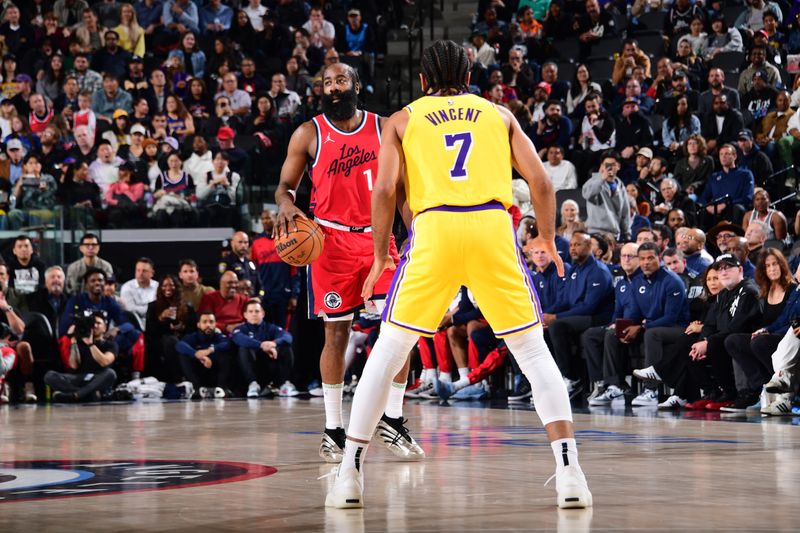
344, 169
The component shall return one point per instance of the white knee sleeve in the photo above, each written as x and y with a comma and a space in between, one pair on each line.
387, 358
534, 359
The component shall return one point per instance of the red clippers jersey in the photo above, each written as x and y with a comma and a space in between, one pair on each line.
344, 169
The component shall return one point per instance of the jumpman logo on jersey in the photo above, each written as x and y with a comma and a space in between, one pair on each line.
328, 139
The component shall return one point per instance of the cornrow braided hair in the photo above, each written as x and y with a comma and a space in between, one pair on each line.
445, 67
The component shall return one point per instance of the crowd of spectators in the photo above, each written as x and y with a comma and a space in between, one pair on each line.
667, 129
163, 112
667, 144
77, 330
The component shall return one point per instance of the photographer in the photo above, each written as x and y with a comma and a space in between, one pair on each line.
128, 337
90, 358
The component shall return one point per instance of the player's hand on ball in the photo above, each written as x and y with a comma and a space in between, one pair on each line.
378, 267
286, 215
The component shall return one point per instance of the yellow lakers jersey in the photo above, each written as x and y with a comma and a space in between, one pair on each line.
457, 152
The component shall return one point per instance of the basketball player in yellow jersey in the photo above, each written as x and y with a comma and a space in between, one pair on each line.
458, 151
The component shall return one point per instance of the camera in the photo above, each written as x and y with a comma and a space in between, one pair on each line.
84, 326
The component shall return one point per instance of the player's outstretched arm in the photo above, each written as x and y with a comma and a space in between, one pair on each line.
384, 197
543, 196
292, 171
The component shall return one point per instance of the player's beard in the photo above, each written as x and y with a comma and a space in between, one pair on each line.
344, 109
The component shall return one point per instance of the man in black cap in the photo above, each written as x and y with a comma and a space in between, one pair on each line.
633, 130
136, 83
752, 158
761, 97
738, 310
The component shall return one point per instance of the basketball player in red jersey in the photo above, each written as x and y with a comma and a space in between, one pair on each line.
340, 148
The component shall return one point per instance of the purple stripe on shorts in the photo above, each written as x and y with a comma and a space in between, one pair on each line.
412, 328
398, 275
493, 204
516, 330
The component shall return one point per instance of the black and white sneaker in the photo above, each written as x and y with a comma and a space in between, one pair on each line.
522, 392
331, 449
392, 433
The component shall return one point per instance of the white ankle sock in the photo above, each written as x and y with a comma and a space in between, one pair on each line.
461, 383
394, 405
427, 375
445, 377
463, 372
332, 395
566, 452
354, 453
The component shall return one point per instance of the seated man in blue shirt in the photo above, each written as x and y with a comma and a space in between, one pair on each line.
258, 341
205, 358
587, 300
657, 300
728, 193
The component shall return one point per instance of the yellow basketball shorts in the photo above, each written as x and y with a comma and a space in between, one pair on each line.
451, 246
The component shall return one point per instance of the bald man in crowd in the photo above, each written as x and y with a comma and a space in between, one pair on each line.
226, 303
240, 263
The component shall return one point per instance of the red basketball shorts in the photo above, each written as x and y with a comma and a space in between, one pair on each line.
335, 279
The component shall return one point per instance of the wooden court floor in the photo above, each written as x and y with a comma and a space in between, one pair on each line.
485, 471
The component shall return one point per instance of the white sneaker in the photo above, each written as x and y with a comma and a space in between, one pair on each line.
598, 389
253, 390
781, 382
647, 374
347, 491
206, 392
219, 392
573, 492
30, 393
428, 392
316, 390
673, 402
573, 387
781, 406
4, 392
648, 398
612, 394
420, 387
287, 389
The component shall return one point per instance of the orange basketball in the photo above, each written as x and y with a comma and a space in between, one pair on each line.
300, 247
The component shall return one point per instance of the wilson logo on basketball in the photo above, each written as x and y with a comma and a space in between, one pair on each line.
285, 245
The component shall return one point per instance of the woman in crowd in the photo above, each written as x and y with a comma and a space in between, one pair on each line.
125, 198
22, 131
721, 39
51, 82
679, 126
570, 219
297, 77
753, 352
169, 317
198, 102
179, 122
694, 168
131, 35
774, 219
582, 85
119, 134
242, 35
192, 58
174, 192
216, 194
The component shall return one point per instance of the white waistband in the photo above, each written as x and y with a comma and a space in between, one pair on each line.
342, 227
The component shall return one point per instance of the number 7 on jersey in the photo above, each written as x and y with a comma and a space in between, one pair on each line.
463, 143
